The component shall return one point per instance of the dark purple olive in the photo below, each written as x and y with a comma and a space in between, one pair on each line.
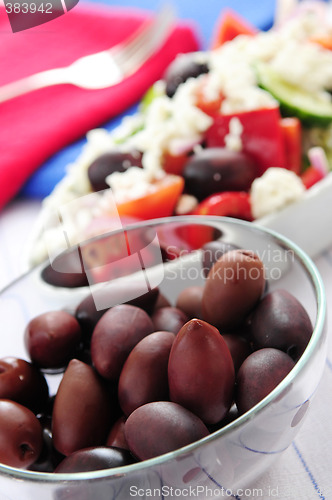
239, 348
169, 319
95, 458
22, 382
88, 316
233, 287
51, 338
49, 457
66, 271
212, 251
190, 301
201, 371
213, 170
82, 413
183, 67
21, 435
143, 378
115, 335
159, 427
259, 374
161, 301
116, 436
107, 163
281, 321
230, 417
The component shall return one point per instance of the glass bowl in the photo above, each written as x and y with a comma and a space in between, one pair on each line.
166, 253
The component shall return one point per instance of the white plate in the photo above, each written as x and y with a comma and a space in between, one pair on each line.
307, 222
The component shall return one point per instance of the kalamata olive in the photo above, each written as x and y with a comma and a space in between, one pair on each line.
49, 457
233, 286
66, 271
231, 415
159, 427
115, 335
107, 163
143, 378
21, 435
201, 371
213, 170
161, 301
183, 67
190, 301
281, 321
95, 458
259, 374
169, 319
116, 436
82, 413
22, 382
51, 338
212, 251
88, 316
239, 348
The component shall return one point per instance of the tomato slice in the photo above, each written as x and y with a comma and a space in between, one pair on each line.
228, 203
291, 130
230, 25
208, 106
159, 202
173, 164
311, 176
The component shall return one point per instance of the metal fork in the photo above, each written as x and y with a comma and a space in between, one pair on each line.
102, 69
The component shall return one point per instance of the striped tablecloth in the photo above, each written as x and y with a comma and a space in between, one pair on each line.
304, 471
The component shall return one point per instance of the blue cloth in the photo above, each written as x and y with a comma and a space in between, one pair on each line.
204, 14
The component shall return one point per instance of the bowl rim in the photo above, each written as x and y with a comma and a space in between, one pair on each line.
318, 332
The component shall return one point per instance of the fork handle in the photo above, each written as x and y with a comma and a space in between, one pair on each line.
31, 83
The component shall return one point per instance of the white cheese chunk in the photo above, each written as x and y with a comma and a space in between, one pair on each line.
275, 189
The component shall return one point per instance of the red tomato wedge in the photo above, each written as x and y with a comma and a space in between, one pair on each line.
262, 136
291, 130
311, 176
206, 105
159, 202
230, 25
173, 164
228, 203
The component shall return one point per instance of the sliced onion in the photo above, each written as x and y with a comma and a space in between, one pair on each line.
318, 160
178, 147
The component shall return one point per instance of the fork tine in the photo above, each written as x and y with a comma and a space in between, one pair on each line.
151, 32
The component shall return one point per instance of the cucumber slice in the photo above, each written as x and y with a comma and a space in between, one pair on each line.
310, 108
156, 90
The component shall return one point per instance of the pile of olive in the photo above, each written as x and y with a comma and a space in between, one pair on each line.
145, 378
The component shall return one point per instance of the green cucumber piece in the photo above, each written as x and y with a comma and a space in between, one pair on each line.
156, 90
310, 108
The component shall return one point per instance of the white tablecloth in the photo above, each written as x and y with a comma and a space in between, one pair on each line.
304, 471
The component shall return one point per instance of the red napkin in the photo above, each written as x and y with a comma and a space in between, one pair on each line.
34, 126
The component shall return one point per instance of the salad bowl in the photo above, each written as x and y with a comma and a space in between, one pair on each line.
230, 458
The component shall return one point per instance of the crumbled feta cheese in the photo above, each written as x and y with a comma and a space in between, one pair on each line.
275, 189
186, 204
308, 66
233, 138
133, 183
169, 119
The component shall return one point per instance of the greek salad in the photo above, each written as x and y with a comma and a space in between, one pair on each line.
241, 130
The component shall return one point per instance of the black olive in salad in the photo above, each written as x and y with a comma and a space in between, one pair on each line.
183, 67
